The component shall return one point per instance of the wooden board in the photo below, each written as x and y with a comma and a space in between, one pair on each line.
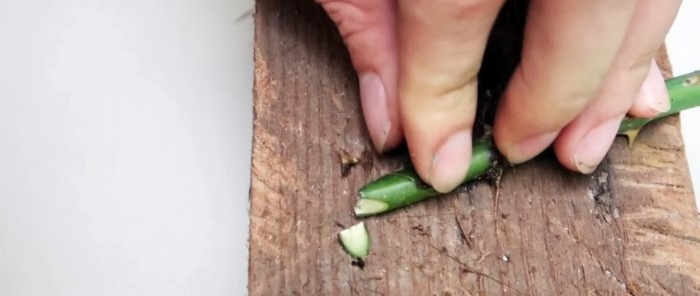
630, 228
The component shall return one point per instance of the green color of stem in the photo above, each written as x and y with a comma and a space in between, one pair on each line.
403, 188
684, 93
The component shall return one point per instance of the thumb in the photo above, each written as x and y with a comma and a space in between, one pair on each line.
441, 47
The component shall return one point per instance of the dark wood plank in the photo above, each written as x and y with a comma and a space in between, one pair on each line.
630, 228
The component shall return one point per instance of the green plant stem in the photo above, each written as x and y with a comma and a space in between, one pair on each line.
405, 187
684, 92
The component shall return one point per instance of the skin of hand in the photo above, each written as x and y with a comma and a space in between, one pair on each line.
585, 65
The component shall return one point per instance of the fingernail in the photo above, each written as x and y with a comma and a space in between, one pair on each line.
451, 162
595, 145
375, 108
530, 147
653, 91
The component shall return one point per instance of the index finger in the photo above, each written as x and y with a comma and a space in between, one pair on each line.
568, 49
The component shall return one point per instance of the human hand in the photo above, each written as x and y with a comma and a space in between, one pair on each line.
585, 65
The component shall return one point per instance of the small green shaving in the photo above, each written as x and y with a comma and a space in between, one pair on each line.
355, 240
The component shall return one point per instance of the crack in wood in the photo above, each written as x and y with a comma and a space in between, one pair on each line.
443, 251
663, 287
602, 193
524, 256
548, 250
494, 176
460, 232
612, 275
664, 231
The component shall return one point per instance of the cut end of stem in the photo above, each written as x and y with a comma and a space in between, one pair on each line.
355, 240
367, 207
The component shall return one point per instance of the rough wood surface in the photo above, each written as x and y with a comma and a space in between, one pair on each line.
630, 228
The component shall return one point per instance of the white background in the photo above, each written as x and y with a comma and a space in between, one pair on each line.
125, 131
683, 43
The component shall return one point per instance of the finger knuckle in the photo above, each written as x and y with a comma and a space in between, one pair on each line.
639, 65
350, 17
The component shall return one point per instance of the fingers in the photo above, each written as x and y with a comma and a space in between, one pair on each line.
583, 144
582, 69
368, 28
441, 44
652, 98
568, 48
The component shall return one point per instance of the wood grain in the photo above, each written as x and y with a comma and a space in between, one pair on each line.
631, 228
